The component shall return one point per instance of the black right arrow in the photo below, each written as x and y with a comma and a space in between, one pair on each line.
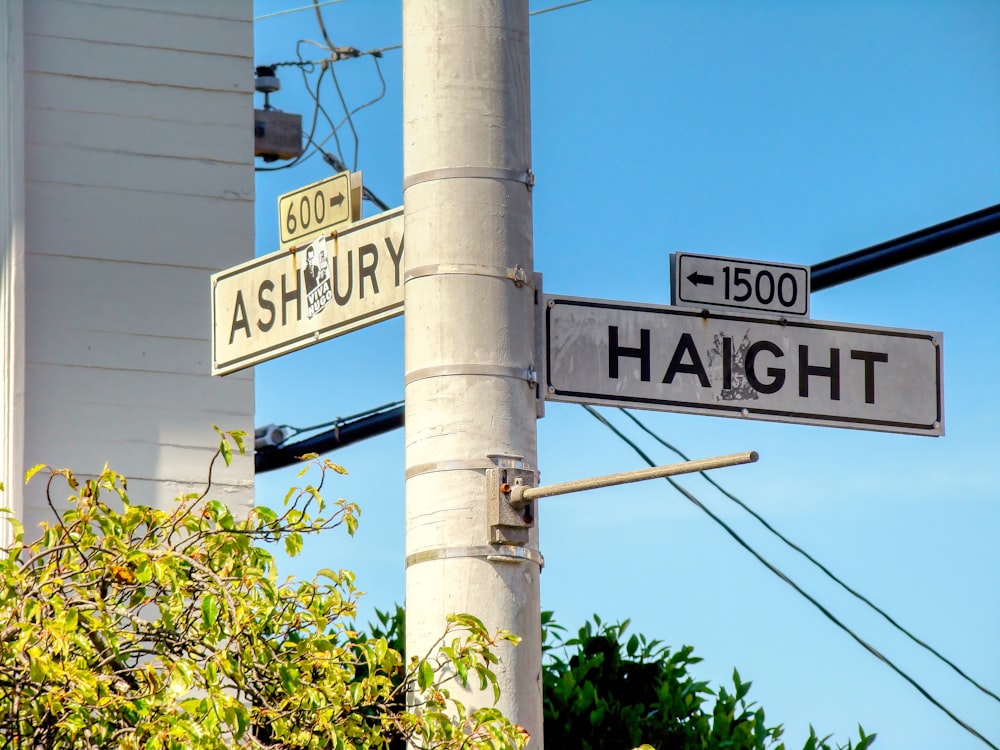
336, 200
697, 278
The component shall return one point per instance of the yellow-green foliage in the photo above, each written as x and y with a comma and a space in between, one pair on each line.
125, 626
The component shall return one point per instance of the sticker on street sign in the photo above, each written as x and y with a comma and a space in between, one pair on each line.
316, 208
708, 281
740, 365
291, 299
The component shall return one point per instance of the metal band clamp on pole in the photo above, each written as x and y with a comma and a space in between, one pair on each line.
521, 495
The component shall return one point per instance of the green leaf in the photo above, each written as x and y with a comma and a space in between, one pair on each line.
293, 544
237, 436
209, 610
289, 677
32, 471
15, 524
425, 675
227, 452
35, 667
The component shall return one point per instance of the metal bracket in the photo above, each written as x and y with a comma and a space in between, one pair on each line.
516, 273
525, 176
540, 351
509, 524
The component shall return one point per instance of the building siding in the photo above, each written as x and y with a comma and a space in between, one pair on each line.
138, 153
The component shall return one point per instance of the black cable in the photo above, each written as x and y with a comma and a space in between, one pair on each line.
739, 540
336, 83
339, 420
347, 114
812, 559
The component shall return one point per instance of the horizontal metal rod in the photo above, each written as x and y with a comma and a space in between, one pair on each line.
944, 236
521, 495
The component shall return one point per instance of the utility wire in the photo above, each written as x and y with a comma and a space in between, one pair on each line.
810, 558
293, 431
557, 7
739, 540
331, 2
294, 10
336, 83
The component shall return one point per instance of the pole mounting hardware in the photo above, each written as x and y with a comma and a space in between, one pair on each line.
509, 524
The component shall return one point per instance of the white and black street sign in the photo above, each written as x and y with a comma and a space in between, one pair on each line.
707, 281
291, 299
741, 365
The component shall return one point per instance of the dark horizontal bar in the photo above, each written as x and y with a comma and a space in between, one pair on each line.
345, 434
919, 244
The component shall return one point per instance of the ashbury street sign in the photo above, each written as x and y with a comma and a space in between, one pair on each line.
741, 365
290, 299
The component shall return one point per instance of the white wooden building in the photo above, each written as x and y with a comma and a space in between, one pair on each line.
126, 179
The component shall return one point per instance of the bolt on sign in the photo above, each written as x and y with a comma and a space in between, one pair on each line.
743, 365
291, 299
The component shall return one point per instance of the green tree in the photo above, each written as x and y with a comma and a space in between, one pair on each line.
132, 627
605, 691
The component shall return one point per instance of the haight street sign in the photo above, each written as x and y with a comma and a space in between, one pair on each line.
742, 365
291, 299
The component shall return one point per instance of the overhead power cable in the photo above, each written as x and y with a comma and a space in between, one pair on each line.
812, 559
774, 569
331, 2
293, 10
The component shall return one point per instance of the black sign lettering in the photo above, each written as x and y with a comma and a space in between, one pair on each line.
365, 270
266, 304
397, 257
869, 358
239, 317
777, 374
832, 372
615, 352
686, 346
290, 295
343, 299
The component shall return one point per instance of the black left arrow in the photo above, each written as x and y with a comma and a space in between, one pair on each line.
700, 278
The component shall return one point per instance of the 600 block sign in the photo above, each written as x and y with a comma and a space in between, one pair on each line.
315, 208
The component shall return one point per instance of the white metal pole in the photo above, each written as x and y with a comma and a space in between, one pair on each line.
469, 327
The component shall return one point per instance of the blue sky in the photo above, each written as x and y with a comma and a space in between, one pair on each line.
783, 131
